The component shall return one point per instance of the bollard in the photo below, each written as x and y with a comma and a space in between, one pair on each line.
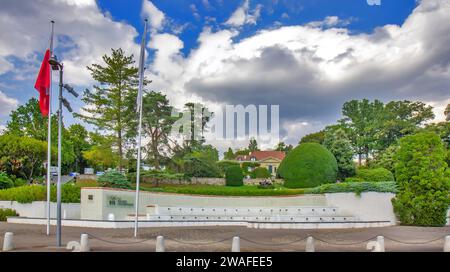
447, 244
380, 240
111, 217
160, 244
8, 242
64, 214
236, 244
310, 244
84, 243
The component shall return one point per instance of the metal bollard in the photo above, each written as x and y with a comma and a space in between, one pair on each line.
160, 244
8, 242
310, 244
236, 244
380, 240
447, 244
84, 243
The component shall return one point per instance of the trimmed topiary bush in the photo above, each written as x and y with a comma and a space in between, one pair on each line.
375, 174
261, 172
234, 176
5, 181
308, 165
422, 176
114, 179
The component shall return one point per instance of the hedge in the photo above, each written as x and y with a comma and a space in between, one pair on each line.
308, 165
234, 176
225, 164
4, 213
30, 193
261, 172
355, 187
375, 174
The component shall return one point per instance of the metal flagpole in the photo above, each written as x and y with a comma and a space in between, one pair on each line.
139, 105
49, 137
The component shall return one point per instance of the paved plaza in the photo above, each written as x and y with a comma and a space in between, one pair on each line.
218, 239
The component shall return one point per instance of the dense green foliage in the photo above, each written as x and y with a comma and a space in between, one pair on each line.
353, 179
114, 179
4, 213
317, 137
339, 144
229, 155
196, 167
375, 174
224, 164
261, 172
234, 176
355, 187
422, 176
281, 146
5, 181
308, 165
27, 194
156, 176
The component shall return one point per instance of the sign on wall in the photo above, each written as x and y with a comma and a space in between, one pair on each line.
115, 201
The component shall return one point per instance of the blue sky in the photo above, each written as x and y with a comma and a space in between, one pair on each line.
308, 56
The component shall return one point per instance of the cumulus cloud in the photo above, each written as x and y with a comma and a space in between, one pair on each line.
330, 21
83, 34
311, 70
155, 16
242, 15
7, 104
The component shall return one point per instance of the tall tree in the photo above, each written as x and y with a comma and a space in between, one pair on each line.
253, 145
78, 136
228, 155
112, 104
283, 147
157, 123
338, 143
316, 137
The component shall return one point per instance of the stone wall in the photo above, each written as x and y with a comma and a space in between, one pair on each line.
38, 209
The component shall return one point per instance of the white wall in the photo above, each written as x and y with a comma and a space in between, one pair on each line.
38, 209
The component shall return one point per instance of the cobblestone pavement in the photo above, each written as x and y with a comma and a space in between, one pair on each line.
211, 239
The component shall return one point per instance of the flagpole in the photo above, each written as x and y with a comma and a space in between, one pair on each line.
139, 104
49, 137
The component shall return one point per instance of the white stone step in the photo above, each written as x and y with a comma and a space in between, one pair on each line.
248, 211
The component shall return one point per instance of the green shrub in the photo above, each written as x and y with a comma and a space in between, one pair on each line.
225, 164
5, 181
19, 182
114, 179
201, 168
4, 213
308, 165
354, 179
422, 176
234, 176
261, 172
375, 174
355, 187
29, 193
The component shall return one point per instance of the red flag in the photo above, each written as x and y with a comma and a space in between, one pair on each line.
42, 84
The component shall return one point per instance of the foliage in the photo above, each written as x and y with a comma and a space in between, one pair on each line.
317, 137
4, 213
353, 179
224, 164
339, 144
281, 146
101, 156
261, 172
112, 104
157, 123
78, 136
234, 176
155, 176
30, 193
114, 179
19, 182
355, 187
86, 183
195, 167
253, 145
229, 155
22, 156
374, 174
308, 165
5, 181
385, 159
422, 176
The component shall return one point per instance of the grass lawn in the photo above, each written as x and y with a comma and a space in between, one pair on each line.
222, 190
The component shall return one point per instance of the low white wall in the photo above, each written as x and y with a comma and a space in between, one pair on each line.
369, 206
38, 209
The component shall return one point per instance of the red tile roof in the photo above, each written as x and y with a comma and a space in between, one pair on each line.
262, 155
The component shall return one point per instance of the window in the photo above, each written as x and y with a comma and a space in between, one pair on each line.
90, 197
253, 159
270, 168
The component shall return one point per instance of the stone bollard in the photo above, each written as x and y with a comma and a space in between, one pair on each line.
160, 244
310, 244
447, 244
8, 242
380, 240
84, 243
236, 244
64, 214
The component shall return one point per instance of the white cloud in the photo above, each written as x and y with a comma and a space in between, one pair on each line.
330, 21
155, 16
7, 104
242, 15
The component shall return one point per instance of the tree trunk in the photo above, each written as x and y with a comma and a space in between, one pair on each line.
119, 142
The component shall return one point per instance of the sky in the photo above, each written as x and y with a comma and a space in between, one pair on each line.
307, 56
